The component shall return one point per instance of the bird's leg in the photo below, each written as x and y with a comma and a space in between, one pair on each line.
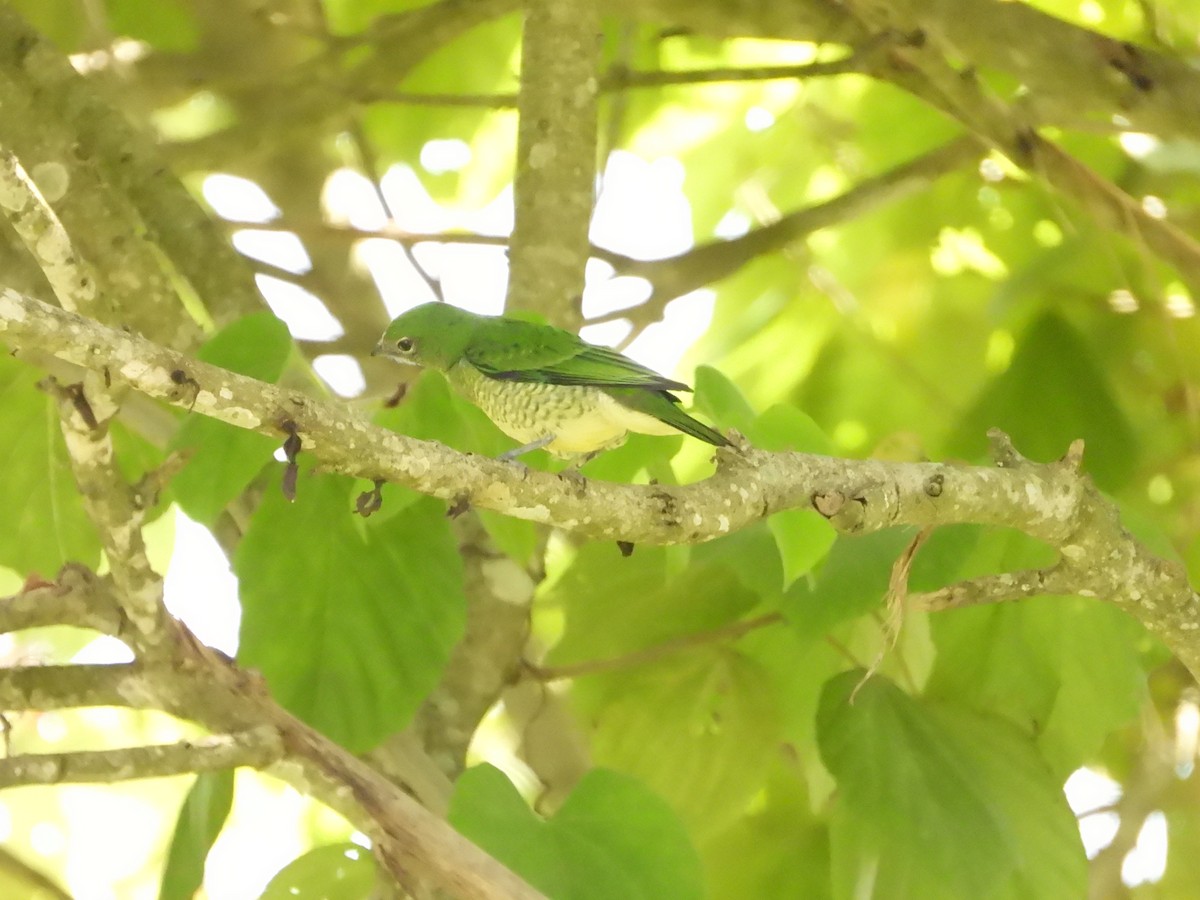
541, 442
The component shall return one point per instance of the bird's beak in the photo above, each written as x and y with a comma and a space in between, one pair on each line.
377, 350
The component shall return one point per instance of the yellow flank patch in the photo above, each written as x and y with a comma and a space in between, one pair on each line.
582, 419
604, 426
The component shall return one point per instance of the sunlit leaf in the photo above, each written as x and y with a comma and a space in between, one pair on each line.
612, 838
46, 525
1065, 669
939, 802
1053, 363
334, 872
201, 819
853, 580
697, 727
719, 399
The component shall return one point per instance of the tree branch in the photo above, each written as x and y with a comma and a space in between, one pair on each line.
257, 747
994, 589
1072, 76
729, 632
555, 182
749, 485
110, 505
132, 685
710, 262
77, 598
118, 174
487, 659
33, 219
922, 68
619, 79
1052, 502
201, 685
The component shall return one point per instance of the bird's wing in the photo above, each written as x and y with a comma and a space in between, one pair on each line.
547, 355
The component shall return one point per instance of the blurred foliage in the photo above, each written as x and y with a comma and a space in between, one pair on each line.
735, 763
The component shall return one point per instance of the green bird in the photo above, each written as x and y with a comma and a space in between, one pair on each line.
541, 385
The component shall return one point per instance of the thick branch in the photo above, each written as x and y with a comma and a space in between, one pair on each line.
487, 659
77, 598
132, 685
201, 685
1071, 75
1053, 503
923, 69
749, 485
33, 219
109, 501
130, 165
63, 138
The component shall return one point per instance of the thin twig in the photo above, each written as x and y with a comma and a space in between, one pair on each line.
369, 162
648, 655
618, 79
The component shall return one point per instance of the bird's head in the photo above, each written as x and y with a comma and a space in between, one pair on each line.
434, 335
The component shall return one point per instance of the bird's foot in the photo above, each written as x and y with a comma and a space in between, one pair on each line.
575, 477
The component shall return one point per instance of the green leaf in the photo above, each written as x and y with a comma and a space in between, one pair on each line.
612, 838
45, 525
751, 553
641, 453
350, 620
1054, 364
779, 849
698, 727
201, 819
226, 459
784, 427
804, 538
334, 872
1064, 669
595, 595
167, 25
517, 538
719, 398
695, 725
938, 802
58, 20
853, 580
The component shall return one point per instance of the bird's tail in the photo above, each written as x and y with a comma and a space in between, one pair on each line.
664, 406
685, 423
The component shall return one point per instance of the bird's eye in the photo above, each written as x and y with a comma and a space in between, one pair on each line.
404, 345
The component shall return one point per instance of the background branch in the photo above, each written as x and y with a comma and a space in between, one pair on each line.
554, 185
257, 747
